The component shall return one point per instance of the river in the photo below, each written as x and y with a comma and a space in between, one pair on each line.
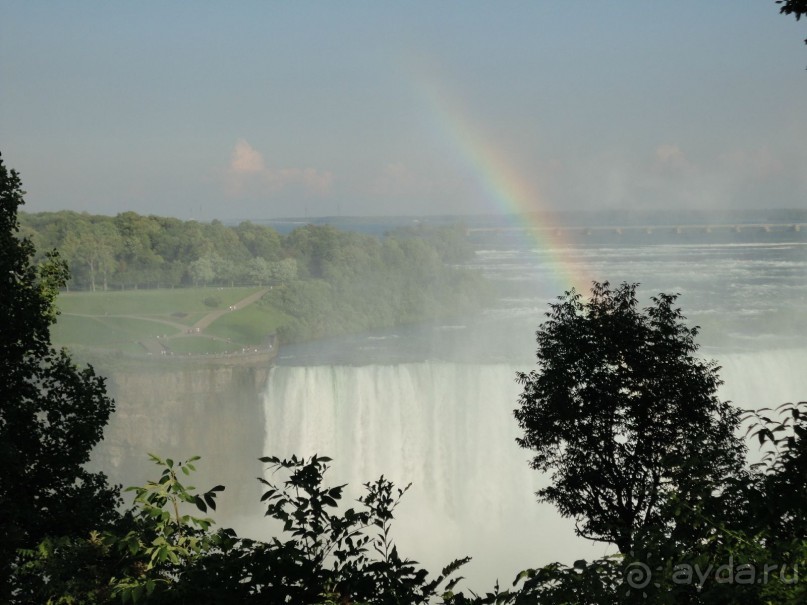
433, 405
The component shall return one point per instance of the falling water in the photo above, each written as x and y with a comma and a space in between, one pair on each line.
442, 418
448, 428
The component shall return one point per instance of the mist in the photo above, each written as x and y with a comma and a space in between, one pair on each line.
334, 229
430, 402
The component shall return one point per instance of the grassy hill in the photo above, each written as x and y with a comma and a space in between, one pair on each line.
176, 321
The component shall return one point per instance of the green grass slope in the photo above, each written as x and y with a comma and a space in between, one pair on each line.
152, 321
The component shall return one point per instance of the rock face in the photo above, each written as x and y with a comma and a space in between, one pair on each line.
179, 410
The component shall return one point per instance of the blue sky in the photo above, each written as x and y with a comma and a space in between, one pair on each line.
268, 109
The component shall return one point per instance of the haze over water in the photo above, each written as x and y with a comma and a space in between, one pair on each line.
266, 110
432, 404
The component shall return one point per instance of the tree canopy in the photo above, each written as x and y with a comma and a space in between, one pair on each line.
797, 8
622, 413
52, 413
326, 281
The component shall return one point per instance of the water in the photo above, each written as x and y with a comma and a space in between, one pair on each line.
445, 427
433, 404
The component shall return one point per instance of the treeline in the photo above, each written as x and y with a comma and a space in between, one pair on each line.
352, 282
135, 251
622, 417
328, 282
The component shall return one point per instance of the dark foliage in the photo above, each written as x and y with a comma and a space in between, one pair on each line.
623, 414
779, 498
797, 8
322, 554
341, 556
51, 414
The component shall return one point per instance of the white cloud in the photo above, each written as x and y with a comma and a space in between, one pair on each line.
245, 159
249, 176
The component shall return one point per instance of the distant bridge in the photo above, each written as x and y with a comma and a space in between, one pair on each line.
650, 229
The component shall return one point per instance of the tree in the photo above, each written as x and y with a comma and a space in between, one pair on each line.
622, 413
793, 7
225, 270
260, 241
780, 505
93, 245
283, 271
797, 8
258, 271
51, 412
201, 270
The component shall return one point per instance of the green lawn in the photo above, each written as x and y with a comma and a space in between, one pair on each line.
250, 325
105, 331
170, 303
189, 318
93, 319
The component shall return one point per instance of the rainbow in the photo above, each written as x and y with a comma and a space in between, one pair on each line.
506, 190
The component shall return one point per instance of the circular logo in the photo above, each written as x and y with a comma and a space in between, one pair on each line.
638, 576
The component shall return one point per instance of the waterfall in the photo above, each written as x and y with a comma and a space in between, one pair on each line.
752, 380
449, 429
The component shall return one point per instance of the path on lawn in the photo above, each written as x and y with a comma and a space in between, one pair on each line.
200, 325
156, 346
214, 315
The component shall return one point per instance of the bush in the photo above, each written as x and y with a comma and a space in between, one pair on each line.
212, 301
